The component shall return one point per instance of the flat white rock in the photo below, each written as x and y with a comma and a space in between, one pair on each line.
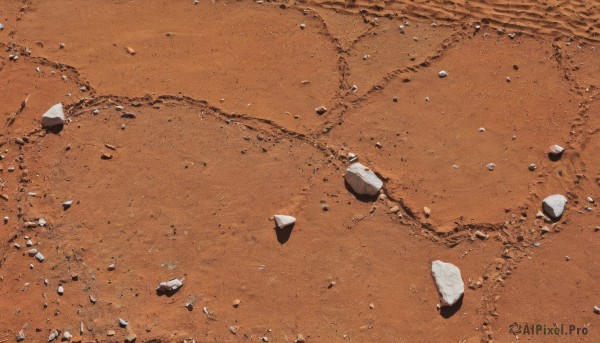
448, 281
554, 205
362, 180
54, 116
170, 285
282, 220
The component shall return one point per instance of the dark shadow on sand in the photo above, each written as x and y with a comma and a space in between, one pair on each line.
448, 312
283, 234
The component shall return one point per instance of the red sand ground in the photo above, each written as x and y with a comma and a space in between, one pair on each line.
225, 136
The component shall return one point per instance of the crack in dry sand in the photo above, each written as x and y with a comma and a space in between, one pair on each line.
512, 235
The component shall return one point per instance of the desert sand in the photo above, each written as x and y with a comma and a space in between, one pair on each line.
190, 125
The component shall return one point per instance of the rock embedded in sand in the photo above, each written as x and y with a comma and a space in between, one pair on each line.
130, 50
20, 336
169, 286
282, 220
554, 205
39, 257
352, 157
54, 116
130, 338
123, 323
491, 166
532, 167
321, 110
54, 335
443, 73
427, 211
481, 235
448, 281
362, 180
60, 290
555, 150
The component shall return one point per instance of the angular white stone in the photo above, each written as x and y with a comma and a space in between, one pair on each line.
282, 220
170, 285
54, 116
556, 150
362, 180
39, 257
554, 205
448, 281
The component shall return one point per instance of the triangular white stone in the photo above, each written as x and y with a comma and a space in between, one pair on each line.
282, 220
54, 116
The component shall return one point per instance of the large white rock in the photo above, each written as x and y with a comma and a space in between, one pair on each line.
171, 285
54, 116
448, 281
282, 220
362, 180
554, 205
